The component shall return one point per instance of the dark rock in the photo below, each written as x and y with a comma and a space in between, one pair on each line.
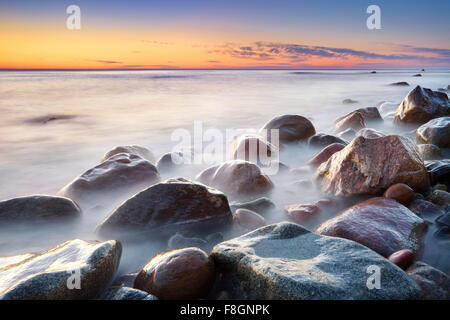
325, 154
261, 205
292, 128
434, 284
444, 220
37, 208
354, 120
370, 166
436, 131
142, 152
125, 293
400, 84
172, 161
440, 198
170, 206
382, 224
322, 140
439, 171
402, 258
401, 193
425, 209
286, 261
417, 75
349, 101
421, 105
177, 275
50, 118
47, 275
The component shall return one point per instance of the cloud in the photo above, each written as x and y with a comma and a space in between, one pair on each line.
157, 42
437, 52
107, 61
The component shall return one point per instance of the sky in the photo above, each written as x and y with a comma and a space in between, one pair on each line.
244, 34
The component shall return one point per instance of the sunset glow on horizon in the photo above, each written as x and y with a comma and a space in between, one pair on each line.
218, 35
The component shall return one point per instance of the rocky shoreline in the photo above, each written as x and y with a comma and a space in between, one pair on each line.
382, 202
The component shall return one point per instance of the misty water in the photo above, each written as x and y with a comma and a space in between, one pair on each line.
56, 125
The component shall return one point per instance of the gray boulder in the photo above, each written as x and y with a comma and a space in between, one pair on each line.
434, 284
436, 131
286, 261
53, 274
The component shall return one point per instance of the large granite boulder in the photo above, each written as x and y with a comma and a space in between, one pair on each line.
115, 179
75, 269
292, 128
286, 261
421, 105
38, 208
436, 131
381, 224
370, 166
167, 207
142, 152
238, 179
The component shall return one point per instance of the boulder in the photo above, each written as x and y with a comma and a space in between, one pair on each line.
429, 151
142, 152
38, 208
301, 213
436, 131
401, 193
370, 114
400, 84
347, 134
354, 120
254, 149
439, 171
421, 105
349, 101
171, 161
322, 140
260, 205
369, 133
286, 261
434, 284
292, 128
381, 224
167, 207
237, 179
402, 258
54, 274
325, 154
248, 219
114, 179
125, 293
177, 275
417, 75
370, 166
440, 198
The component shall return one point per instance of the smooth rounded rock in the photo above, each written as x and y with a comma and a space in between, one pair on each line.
142, 152
402, 258
436, 131
401, 193
249, 219
253, 148
292, 128
354, 120
322, 140
301, 213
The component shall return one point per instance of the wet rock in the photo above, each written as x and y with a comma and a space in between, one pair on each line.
369, 133
325, 154
178, 241
347, 134
142, 152
237, 179
286, 261
349, 101
177, 275
401, 193
46, 275
172, 161
292, 128
402, 258
388, 107
370, 114
400, 84
434, 284
301, 213
167, 207
436, 131
429, 151
417, 75
444, 219
421, 105
125, 293
425, 209
439, 171
322, 140
114, 179
440, 198
261, 205
370, 166
38, 208
249, 219
354, 120
381, 224
254, 149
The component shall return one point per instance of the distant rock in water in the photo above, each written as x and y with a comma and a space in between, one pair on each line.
285, 261
112, 181
436, 131
421, 105
46, 275
373, 72
400, 84
50, 118
349, 101
260, 205
37, 208
381, 224
370, 166
417, 75
168, 207
238, 179
142, 152
292, 128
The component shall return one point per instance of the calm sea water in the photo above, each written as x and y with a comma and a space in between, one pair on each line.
100, 110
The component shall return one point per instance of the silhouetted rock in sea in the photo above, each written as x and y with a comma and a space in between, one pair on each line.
421, 105
53, 274
286, 261
382, 224
370, 166
37, 208
167, 207
400, 84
